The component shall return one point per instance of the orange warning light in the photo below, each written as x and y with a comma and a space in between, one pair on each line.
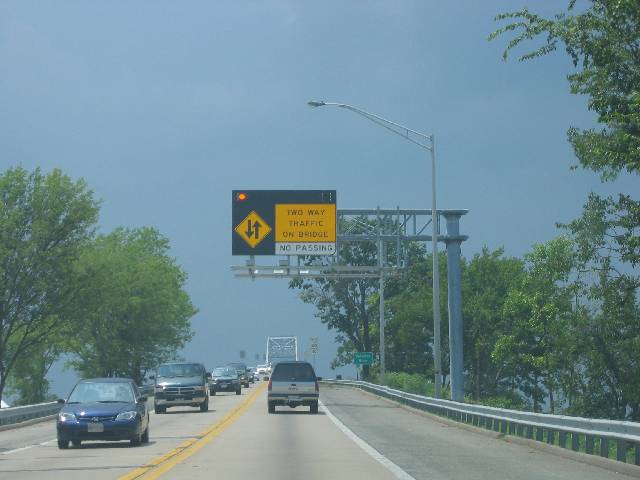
242, 196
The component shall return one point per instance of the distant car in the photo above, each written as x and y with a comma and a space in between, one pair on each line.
263, 372
293, 384
241, 368
224, 379
103, 409
181, 384
251, 372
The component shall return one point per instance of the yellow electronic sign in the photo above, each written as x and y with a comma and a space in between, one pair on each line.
305, 228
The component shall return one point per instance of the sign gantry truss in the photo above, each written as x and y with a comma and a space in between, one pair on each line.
391, 229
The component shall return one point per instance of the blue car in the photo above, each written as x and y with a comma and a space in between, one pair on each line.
103, 409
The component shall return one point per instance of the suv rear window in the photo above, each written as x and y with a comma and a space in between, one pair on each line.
293, 371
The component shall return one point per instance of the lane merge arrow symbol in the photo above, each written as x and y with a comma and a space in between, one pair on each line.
253, 229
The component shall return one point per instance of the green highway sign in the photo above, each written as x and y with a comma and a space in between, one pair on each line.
363, 358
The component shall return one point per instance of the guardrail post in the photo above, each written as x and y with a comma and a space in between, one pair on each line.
539, 434
562, 439
589, 444
604, 447
636, 447
575, 441
551, 437
621, 453
530, 431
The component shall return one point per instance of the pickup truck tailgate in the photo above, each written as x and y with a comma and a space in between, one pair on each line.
293, 387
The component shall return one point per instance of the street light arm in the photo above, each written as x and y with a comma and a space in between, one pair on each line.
396, 128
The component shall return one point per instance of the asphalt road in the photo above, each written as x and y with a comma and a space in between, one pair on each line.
428, 449
238, 438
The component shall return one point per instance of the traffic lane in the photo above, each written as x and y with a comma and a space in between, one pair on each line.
21, 437
428, 449
110, 460
290, 444
32, 435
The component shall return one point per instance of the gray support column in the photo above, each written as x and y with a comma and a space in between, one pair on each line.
381, 264
454, 280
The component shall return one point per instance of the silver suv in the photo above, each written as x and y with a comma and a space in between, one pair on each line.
293, 384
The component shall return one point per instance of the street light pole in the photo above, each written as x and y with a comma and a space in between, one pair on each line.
435, 271
407, 134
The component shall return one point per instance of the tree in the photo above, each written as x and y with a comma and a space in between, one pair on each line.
602, 40
344, 305
486, 281
609, 334
539, 313
28, 379
44, 222
137, 313
409, 330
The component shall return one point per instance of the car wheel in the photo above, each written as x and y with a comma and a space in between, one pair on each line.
314, 407
76, 443
239, 392
136, 440
160, 410
272, 407
204, 406
145, 435
213, 392
63, 444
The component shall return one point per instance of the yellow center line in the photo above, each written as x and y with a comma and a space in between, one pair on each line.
163, 464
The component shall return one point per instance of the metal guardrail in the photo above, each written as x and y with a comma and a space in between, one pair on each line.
12, 415
604, 437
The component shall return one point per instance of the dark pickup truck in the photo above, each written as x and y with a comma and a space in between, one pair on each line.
181, 384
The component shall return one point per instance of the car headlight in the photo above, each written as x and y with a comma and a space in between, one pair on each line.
67, 417
159, 388
127, 415
199, 388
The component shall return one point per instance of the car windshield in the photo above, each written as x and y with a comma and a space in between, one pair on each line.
223, 372
293, 371
180, 370
102, 392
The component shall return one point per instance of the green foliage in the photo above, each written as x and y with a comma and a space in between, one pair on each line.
409, 382
486, 281
28, 380
44, 222
602, 41
409, 305
344, 305
601, 38
539, 315
136, 313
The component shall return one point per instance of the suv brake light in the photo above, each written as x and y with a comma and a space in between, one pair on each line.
317, 386
269, 386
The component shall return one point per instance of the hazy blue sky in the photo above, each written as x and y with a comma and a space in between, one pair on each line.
165, 106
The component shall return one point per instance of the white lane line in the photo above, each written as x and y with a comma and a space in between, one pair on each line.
8, 452
375, 454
